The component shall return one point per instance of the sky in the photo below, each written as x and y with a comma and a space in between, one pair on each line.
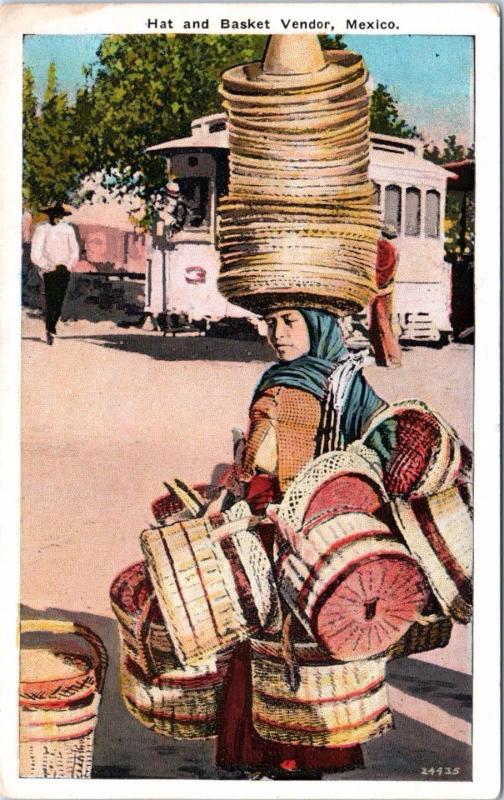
429, 76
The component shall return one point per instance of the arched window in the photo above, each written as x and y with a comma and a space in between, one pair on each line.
376, 193
412, 212
432, 207
392, 213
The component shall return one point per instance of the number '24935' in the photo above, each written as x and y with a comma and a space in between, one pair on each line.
440, 771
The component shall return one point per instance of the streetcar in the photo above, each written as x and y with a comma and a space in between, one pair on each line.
181, 272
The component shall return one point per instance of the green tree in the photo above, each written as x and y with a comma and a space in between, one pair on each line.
452, 151
29, 126
148, 89
56, 155
332, 42
460, 209
385, 116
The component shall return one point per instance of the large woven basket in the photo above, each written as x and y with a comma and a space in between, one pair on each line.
438, 532
214, 585
333, 705
59, 695
345, 572
157, 691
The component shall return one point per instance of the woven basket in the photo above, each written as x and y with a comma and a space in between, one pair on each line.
345, 572
438, 532
427, 456
156, 690
333, 705
427, 472
59, 697
214, 585
422, 637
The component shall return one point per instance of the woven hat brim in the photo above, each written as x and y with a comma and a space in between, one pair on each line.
250, 78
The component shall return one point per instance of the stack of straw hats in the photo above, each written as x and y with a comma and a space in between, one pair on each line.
298, 226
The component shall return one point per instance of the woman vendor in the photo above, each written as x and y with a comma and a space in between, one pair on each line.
313, 400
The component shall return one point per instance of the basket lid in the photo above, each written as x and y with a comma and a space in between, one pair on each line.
53, 677
43, 664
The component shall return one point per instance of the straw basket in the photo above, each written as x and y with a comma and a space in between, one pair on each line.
333, 705
427, 472
421, 454
214, 585
157, 691
438, 532
422, 637
59, 696
343, 571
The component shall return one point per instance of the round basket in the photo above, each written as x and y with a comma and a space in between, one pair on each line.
59, 695
333, 705
344, 572
157, 691
427, 472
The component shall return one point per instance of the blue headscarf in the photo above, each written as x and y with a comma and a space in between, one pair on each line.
310, 373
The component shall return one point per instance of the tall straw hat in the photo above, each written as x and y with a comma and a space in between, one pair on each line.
299, 157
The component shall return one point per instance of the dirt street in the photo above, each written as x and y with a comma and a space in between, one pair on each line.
109, 414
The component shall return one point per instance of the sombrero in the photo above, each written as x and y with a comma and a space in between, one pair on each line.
293, 63
57, 210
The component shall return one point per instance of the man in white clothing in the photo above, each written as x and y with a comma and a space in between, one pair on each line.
54, 251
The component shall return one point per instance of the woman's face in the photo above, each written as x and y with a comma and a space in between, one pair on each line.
288, 334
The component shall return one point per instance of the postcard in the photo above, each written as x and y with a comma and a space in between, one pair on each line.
250, 328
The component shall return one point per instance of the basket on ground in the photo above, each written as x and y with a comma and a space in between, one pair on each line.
59, 696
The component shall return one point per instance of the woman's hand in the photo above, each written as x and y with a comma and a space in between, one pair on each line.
215, 506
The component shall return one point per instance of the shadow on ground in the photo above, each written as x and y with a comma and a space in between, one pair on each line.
173, 348
123, 747
126, 749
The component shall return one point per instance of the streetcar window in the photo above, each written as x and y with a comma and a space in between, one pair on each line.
195, 195
393, 207
215, 127
432, 206
412, 212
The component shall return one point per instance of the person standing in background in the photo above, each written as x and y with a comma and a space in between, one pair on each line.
54, 251
385, 345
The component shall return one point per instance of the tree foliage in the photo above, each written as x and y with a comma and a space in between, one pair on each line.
146, 90
54, 154
452, 151
455, 215
385, 116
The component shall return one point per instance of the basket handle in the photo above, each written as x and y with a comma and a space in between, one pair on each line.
289, 654
75, 628
142, 630
428, 619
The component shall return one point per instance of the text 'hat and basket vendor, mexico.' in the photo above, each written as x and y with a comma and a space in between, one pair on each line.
299, 225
